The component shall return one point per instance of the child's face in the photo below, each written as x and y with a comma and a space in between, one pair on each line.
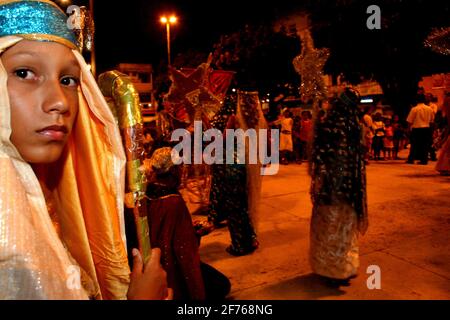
43, 82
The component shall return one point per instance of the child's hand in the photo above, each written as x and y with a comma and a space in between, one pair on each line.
148, 282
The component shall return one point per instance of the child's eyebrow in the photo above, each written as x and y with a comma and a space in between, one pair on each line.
26, 53
70, 64
34, 54
73, 63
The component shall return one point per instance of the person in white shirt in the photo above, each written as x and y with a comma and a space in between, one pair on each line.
286, 144
420, 118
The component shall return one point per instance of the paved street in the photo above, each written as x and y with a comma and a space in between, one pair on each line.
408, 238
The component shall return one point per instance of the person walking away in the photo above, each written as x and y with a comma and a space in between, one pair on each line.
419, 119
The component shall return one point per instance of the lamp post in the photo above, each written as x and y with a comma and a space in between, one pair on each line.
168, 22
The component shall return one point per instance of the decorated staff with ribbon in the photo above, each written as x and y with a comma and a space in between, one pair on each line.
124, 102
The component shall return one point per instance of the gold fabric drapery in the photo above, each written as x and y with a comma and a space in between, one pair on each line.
88, 192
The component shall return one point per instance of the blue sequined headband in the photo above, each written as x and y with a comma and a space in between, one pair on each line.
38, 20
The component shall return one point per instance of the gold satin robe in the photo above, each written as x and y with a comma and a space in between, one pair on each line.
34, 262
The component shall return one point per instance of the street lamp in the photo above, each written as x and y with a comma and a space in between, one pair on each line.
168, 21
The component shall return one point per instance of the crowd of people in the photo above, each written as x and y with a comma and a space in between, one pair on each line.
424, 132
384, 137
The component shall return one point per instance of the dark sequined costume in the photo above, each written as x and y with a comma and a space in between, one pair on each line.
229, 194
338, 191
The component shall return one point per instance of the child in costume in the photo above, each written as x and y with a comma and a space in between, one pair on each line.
171, 228
62, 179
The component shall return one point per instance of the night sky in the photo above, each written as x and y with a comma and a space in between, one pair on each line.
133, 33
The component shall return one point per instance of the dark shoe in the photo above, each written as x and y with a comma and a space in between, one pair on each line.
203, 228
242, 252
217, 285
409, 162
336, 283
221, 224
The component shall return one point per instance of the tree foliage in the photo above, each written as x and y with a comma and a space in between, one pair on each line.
394, 56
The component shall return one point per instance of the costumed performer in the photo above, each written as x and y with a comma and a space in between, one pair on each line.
338, 191
62, 178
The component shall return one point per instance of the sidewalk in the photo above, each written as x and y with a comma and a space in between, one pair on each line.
408, 238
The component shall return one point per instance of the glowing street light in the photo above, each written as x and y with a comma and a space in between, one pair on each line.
168, 21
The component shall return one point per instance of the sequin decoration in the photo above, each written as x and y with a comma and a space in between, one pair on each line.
249, 107
161, 160
36, 20
439, 40
86, 30
309, 64
337, 159
189, 97
34, 264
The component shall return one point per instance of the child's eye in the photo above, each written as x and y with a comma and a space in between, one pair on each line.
70, 81
25, 74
